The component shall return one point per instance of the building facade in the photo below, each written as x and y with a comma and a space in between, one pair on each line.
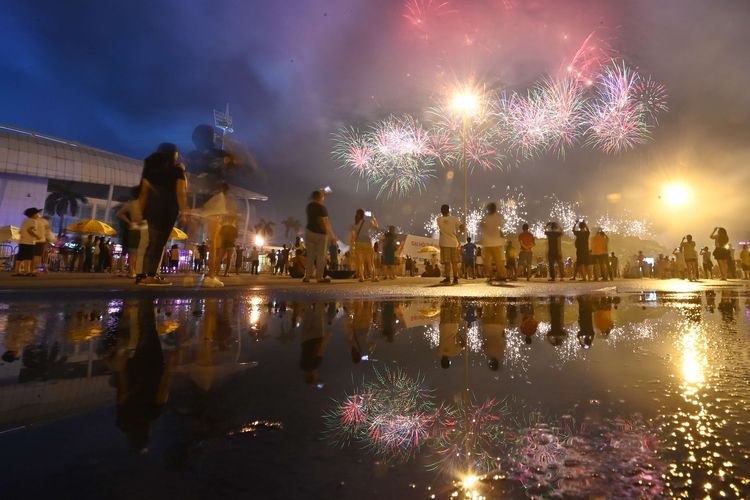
32, 165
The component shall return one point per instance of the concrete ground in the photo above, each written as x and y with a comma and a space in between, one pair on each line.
98, 284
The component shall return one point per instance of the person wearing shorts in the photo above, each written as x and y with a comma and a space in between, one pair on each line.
450, 250
493, 243
527, 242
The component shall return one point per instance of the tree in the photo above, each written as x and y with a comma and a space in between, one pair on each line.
292, 225
63, 201
264, 227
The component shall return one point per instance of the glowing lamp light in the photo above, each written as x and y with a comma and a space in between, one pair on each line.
466, 102
676, 194
259, 241
469, 482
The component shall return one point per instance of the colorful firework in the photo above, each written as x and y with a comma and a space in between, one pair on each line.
547, 118
587, 62
421, 13
394, 154
449, 130
652, 96
616, 119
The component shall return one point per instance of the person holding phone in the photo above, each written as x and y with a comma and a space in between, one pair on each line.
583, 254
361, 241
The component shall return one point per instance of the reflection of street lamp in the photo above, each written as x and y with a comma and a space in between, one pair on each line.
467, 103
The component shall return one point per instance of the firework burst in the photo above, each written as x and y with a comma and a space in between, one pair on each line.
616, 119
394, 154
512, 206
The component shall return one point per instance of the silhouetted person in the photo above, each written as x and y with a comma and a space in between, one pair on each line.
585, 321
556, 332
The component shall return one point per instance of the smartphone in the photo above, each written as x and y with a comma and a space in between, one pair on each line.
368, 213
580, 219
327, 190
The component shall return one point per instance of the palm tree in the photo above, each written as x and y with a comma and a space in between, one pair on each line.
62, 201
264, 227
292, 225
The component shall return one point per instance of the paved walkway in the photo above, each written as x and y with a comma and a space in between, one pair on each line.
55, 284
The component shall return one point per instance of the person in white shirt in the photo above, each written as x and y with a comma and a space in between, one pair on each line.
493, 243
29, 237
450, 254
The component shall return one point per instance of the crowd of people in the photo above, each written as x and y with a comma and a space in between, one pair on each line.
148, 218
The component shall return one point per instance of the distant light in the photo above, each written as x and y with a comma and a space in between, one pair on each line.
466, 102
470, 481
259, 241
614, 197
676, 194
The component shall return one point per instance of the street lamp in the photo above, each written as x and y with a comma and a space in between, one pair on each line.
466, 103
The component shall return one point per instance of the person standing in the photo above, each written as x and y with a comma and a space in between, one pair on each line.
687, 248
527, 242
493, 243
554, 249
200, 262
254, 261
614, 266
469, 259
333, 256
29, 237
745, 260
583, 255
599, 250
708, 265
360, 239
449, 246
389, 253
721, 252
317, 232
238, 251
162, 197
283, 261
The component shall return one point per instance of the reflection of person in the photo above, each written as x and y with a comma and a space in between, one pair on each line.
315, 338
603, 316
585, 321
556, 332
143, 381
450, 343
20, 330
358, 328
493, 327
529, 324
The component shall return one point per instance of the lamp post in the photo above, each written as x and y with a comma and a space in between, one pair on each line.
467, 104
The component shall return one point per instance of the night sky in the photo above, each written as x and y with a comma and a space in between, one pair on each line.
124, 76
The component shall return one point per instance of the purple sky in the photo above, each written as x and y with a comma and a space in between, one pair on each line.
124, 76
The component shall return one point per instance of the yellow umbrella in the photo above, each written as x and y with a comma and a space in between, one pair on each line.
92, 226
428, 249
178, 234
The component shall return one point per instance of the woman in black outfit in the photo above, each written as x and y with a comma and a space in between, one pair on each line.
162, 197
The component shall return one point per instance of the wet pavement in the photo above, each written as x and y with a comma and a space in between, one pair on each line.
605, 392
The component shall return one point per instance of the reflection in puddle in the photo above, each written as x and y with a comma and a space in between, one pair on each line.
608, 396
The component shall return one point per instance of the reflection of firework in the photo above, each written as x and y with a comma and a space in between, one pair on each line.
392, 415
473, 438
612, 458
